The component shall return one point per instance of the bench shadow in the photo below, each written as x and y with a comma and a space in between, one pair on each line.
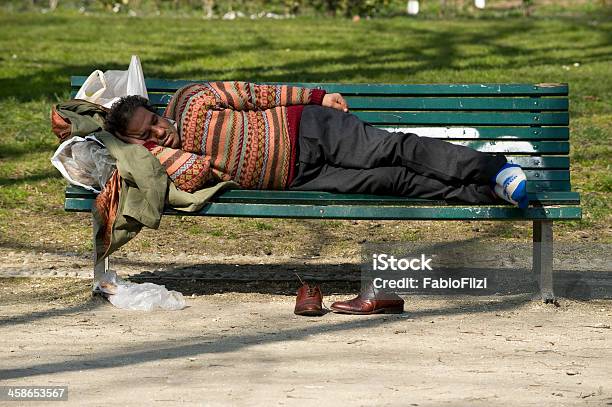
195, 346
341, 278
90, 305
262, 279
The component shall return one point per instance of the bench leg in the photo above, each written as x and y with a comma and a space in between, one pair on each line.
543, 257
103, 267
100, 269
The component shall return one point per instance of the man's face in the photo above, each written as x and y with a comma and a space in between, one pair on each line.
147, 126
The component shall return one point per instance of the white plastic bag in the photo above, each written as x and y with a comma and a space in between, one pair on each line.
412, 7
84, 162
141, 297
105, 88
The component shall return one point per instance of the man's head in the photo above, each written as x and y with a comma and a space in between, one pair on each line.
135, 121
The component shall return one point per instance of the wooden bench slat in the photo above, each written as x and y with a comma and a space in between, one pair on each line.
329, 198
485, 133
388, 212
548, 175
458, 103
456, 119
540, 162
433, 103
541, 186
442, 89
559, 89
365, 211
517, 147
466, 119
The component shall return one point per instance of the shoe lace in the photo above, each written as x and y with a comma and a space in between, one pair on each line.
312, 291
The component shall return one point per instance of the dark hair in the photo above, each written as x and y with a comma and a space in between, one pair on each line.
121, 112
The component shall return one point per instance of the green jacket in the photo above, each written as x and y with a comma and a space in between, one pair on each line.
76, 117
145, 187
145, 190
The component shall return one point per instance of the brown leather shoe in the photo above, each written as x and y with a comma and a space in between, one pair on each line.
370, 301
309, 301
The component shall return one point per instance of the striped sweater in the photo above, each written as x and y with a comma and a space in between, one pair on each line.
235, 131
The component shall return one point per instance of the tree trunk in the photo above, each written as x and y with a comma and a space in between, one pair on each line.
527, 7
207, 8
53, 4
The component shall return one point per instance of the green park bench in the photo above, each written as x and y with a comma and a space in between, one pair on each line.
527, 122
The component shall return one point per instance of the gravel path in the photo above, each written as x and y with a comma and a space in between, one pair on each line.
238, 342
249, 349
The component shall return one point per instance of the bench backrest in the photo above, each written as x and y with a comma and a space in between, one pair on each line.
527, 122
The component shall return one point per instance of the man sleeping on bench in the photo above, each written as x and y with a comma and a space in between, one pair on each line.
285, 137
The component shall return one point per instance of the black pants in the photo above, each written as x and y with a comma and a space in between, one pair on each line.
340, 153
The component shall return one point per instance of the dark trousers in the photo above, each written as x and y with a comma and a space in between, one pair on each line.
340, 153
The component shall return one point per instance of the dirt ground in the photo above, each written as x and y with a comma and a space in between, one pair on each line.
239, 343
234, 348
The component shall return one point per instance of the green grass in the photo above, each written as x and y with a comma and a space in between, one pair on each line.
259, 225
387, 8
38, 54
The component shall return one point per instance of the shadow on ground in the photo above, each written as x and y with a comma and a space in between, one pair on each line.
195, 346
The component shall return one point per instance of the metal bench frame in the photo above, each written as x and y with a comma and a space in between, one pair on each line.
527, 122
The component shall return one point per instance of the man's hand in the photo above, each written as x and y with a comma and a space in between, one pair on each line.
336, 101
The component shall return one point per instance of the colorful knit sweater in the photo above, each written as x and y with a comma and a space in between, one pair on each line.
235, 131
